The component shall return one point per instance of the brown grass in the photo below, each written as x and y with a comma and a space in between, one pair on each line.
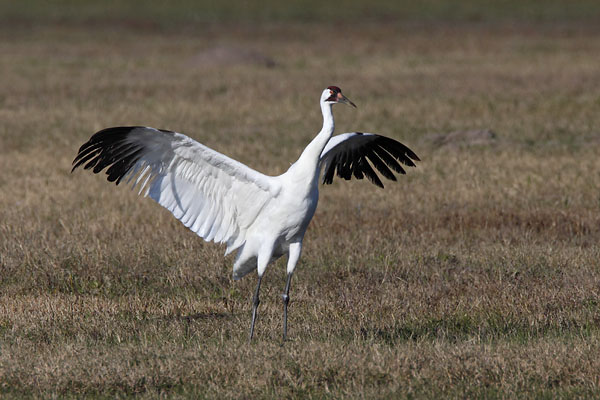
477, 275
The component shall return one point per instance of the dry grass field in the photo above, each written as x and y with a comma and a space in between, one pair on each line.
476, 275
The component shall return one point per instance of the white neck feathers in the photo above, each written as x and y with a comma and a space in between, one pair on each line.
309, 159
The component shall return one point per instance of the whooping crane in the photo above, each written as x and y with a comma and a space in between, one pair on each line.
223, 200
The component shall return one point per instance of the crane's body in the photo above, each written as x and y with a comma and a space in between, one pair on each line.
297, 201
273, 240
262, 217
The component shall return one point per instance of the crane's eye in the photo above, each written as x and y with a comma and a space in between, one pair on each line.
332, 96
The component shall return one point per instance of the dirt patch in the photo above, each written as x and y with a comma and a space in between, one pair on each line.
222, 55
473, 137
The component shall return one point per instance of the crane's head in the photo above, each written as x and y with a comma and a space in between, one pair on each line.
333, 95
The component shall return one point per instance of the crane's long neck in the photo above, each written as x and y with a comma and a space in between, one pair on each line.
309, 160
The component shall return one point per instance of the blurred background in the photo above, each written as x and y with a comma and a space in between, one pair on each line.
165, 13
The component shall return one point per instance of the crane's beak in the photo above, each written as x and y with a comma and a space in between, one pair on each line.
343, 99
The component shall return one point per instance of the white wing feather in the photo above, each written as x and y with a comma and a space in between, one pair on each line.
337, 139
215, 196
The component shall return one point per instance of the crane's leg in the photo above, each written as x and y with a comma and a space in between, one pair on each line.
294, 255
286, 300
255, 303
264, 256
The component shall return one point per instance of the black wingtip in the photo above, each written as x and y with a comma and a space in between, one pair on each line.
361, 155
109, 148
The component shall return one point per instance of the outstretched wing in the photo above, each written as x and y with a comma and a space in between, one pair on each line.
216, 197
349, 154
